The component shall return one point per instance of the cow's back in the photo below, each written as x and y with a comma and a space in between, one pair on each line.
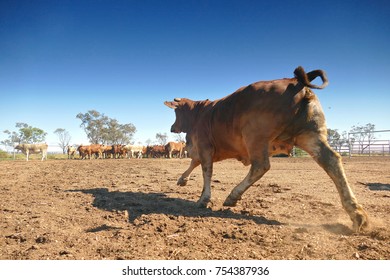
264, 109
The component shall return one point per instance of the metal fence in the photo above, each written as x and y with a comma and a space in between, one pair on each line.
378, 144
373, 146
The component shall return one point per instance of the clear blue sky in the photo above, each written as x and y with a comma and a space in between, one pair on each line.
125, 58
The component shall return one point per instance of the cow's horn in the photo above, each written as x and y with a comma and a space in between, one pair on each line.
177, 99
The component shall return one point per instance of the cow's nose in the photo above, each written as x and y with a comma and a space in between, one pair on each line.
173, 129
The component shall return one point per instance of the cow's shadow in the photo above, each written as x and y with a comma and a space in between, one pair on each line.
139, 203
378, 187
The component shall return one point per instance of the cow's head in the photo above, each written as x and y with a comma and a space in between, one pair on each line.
183, 108
18, 147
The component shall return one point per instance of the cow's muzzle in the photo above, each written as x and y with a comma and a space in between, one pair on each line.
174, 129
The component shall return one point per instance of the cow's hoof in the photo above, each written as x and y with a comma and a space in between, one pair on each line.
182, 181
229, 202
202, 203
360, 221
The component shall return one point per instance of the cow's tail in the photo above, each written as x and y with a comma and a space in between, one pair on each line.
306, 78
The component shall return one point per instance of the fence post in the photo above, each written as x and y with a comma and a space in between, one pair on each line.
369, 144
349, 146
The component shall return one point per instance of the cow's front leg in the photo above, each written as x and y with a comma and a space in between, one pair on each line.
258, 169
207, 169
186, 175
258, 147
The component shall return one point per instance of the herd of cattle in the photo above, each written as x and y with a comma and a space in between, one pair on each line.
172, 149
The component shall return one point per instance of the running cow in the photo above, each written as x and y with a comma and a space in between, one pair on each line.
28, 149
258, 121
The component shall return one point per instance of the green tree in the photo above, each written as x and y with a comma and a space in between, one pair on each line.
362, 135
63, 138
25, 134
101, 129
13, 138
337, 140
162, 138
180, 137
127, 132
93, 124
148, 142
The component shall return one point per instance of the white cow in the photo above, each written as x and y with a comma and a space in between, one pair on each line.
28, 149
71, 151
131, 150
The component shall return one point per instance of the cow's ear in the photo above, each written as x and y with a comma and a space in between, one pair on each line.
171, 104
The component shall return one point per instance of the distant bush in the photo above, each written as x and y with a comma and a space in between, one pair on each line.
57, 156
8, 156
19, 156
299, 152
4, 154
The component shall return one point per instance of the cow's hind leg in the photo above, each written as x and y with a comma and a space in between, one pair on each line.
318, 147
258, 168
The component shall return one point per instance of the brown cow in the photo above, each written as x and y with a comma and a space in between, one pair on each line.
155, 151
89, 150
107, 152
173, 147
83, 151
97, 149
256, 122
117, 150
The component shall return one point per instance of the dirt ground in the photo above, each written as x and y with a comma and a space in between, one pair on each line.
133, 209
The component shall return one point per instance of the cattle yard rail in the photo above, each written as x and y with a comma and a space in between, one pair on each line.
367, 144
375, 143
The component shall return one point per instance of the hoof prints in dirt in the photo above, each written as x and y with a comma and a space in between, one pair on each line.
133, 209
